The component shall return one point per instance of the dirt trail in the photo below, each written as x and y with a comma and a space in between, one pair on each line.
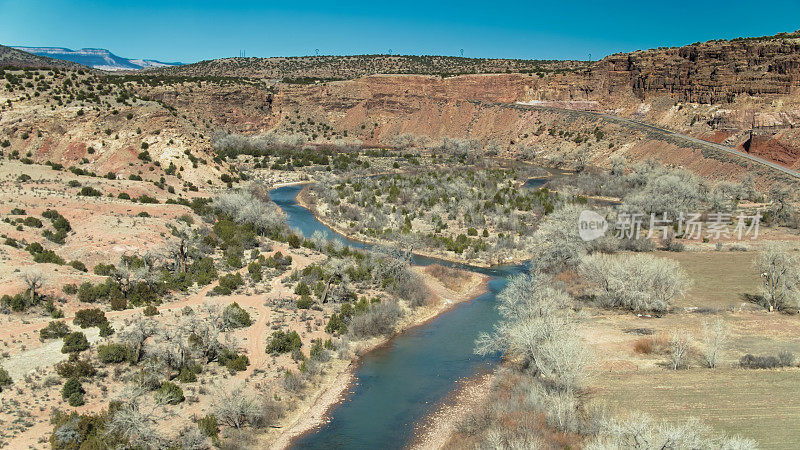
257, 333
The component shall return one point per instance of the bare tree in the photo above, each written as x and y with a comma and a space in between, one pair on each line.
34, 281
715, 336
169, 346
182, 247
670, 191
136, 420
679, 349
243, 206
237, 406
204, 333
780, 276
135, 425
403, 141
538, 334
135, 335
557, 244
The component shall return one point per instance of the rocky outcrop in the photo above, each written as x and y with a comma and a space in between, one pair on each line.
708, 72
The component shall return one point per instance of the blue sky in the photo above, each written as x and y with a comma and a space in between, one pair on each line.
190, 31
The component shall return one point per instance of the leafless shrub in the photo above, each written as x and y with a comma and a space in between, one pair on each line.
237, 406
137, 423
636, 282
715, 337
380, 319
292, 382
640, 431
538, 334
556, 243
244, 207
670, 191
679, 345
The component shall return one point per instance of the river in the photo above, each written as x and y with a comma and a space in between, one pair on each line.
399, 384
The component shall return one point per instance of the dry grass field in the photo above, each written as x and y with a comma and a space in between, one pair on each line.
758, 404
721, 279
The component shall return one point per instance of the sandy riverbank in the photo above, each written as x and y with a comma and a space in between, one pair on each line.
440, 425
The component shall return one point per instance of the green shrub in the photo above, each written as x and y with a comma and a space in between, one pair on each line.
61, 224
254, 268
304, 302
75, 342
18, 302
233, 361
76, 399
88, 191
76, 368
70, 289
119, 303
336, 324
317, 351
234, 316
54, 330
112, 353
187, 376
106, 329
146, 199
42, 255
103, 269
150, 310
51, 309
282, 342
71, 386
90, 317
5, 379
209, 425
237, 364
170, 393
234, 261
89, 293
302, 289
203, 271
32, 222
228, 283
59, 237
